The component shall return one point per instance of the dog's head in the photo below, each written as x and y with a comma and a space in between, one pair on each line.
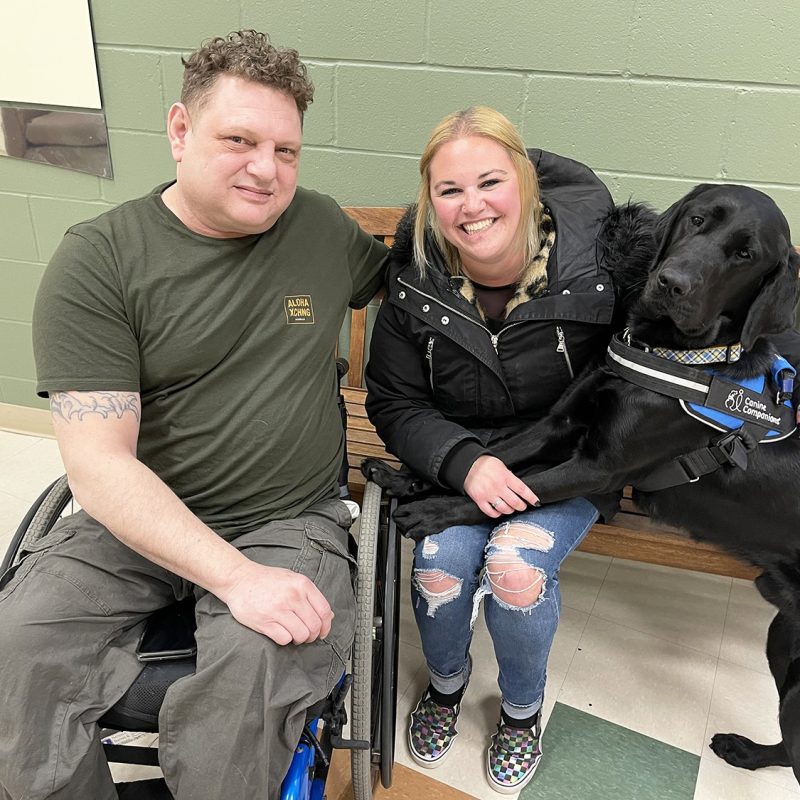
724, 271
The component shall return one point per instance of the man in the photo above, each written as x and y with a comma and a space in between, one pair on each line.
186, 342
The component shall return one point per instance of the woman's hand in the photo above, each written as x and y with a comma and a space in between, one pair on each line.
495, 489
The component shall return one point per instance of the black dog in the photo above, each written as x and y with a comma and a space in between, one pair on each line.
720, 272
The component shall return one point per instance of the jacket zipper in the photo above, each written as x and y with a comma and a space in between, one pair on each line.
562, 348
429, 356
493, 337
439, 302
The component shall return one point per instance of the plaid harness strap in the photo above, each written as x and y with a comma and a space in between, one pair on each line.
708, 355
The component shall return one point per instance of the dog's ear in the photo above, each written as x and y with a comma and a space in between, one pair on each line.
774, 307
666, 222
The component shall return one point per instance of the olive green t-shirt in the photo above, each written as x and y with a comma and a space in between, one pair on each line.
230, 343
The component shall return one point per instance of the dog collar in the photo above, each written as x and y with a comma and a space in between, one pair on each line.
720, 354
720, 401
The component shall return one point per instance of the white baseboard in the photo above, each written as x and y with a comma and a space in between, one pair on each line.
23, 419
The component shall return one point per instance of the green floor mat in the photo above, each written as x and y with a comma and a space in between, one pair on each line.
587, 758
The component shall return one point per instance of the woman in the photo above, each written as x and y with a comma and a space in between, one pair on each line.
495, 301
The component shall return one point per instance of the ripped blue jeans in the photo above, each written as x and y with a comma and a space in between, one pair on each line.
513, 562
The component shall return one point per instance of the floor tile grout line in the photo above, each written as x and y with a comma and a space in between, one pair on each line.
725, 620
602, 584
704, 744
574, 653
12, 458
730, 663
655, 636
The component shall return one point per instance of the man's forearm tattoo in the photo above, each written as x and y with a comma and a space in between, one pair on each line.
76, 405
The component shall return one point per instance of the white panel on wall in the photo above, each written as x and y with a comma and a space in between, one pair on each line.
47, 54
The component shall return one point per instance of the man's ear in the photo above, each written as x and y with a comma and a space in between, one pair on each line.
178, 126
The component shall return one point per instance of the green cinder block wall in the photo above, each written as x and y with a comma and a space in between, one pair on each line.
655, 96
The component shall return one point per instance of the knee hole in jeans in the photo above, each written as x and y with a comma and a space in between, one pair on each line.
436, 587
517, 534
514, 582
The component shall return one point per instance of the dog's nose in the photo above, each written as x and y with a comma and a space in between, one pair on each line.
674, 281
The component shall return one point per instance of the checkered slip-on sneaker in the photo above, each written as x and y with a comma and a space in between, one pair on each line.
432, 731
513, 757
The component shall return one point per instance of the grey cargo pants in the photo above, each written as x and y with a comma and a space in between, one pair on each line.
70, 619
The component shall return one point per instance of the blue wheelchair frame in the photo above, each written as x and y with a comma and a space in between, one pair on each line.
301, 782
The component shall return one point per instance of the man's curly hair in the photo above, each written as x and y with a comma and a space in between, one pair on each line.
245, 54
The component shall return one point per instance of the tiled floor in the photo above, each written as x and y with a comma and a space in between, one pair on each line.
648, 663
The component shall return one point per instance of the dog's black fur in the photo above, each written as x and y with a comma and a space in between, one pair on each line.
716, 268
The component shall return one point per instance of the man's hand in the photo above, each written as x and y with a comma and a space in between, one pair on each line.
495, 489
283, 605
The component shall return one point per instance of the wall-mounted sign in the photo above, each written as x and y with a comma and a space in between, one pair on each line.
47, 57
50, 109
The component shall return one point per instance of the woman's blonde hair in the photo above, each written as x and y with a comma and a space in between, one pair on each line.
491, 124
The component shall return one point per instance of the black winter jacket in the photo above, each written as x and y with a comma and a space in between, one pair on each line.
440, 385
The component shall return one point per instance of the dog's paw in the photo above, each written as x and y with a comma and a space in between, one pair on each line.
434, 514
394, 482
737, 750
374, 467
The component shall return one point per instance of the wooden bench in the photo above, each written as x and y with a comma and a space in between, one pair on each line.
632, 535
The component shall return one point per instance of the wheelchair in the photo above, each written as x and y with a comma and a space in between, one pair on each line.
373, 666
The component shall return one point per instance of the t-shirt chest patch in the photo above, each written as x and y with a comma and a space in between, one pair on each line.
299, 310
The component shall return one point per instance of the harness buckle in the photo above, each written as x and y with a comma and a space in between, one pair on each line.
733, 449
785, 387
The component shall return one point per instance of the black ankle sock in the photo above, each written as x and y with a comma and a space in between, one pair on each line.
450, 700
513, 722
151, 789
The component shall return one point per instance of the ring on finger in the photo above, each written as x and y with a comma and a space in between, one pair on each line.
497, 503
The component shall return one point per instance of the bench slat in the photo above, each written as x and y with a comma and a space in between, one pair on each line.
664, 548
358, 333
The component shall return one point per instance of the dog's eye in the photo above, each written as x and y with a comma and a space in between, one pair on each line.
697, 221
743, 253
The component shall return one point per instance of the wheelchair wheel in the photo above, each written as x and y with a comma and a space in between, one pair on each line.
40, 519
374, 697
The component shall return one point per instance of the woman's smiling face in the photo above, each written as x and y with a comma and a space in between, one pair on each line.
474, 191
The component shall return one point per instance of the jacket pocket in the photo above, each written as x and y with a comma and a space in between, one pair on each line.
429, 357
453, 377
311, 549
562, 348
335, 578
